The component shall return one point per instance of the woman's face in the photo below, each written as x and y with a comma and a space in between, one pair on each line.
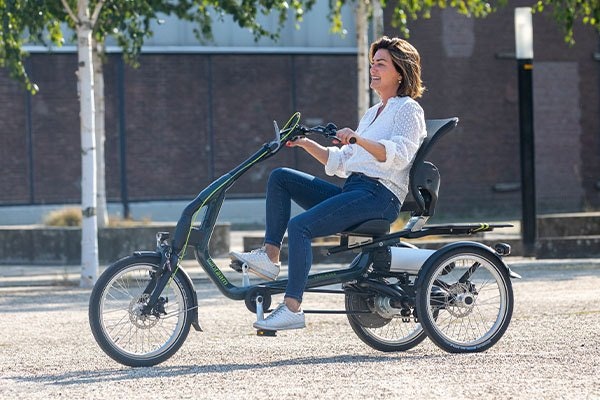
384, 77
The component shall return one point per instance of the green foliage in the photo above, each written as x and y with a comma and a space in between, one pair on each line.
566, 12
25, 21
128, 21
406, 10
413, 10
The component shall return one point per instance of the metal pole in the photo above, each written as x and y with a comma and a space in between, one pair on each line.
528, 199
210, 120
122, 135
29, 140
524, 53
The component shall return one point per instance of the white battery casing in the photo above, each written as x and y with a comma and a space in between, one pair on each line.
408, 259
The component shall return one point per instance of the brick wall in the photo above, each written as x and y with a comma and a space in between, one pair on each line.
469, 73
191, 117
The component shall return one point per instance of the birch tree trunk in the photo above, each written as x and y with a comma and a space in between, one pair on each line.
377, 19
89, 227
97, 54
378, 28
362, 58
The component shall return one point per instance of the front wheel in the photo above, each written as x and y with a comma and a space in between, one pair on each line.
124, 329
465, 300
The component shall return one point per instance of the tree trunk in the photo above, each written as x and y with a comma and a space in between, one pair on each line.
377, 20
362, 58
89, 227
97, 54
378, 28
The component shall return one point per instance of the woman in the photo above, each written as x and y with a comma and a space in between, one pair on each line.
376, 167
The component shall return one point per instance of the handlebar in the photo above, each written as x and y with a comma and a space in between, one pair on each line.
293, 130
329, 131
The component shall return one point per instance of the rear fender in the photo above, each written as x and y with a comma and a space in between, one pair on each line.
449, 247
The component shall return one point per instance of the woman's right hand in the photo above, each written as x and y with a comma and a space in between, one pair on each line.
345, 135
300, 142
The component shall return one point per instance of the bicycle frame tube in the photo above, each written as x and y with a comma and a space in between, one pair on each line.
357, 268
209, 194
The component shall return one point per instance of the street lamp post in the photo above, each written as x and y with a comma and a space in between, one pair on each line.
524, 53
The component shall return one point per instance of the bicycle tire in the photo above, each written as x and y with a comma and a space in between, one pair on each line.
381, 333
121, 331
465, 315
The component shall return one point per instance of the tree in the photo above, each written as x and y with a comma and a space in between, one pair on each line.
129, 23
566, 13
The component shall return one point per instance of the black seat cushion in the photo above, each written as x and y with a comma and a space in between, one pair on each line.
372, 227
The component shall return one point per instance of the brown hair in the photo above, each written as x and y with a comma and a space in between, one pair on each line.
407, 62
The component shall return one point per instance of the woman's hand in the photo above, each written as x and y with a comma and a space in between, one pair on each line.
313, 148
344, 135
376, 149
300, 142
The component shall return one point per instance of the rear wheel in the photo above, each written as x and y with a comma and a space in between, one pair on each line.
383, 328
465, 300
121, 326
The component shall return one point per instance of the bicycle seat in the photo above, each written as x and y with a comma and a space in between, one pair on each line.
424, 183
372, 227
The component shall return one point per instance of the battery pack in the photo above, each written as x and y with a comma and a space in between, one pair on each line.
407, 259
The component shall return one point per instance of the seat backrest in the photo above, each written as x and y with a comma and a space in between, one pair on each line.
424, 181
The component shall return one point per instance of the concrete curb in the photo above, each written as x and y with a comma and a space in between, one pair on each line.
24, 276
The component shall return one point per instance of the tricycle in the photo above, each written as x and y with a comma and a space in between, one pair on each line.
396, 294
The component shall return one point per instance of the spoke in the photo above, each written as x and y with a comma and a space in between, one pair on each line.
467, 275
144, 336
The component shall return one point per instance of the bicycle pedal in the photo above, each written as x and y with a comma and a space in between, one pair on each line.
236, 265
266, 333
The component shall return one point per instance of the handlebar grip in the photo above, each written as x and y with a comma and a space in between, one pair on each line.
352, 140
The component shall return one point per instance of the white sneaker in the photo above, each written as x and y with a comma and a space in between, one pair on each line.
258, 263
281, 319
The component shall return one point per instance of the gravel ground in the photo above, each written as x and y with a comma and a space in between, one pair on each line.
550, 351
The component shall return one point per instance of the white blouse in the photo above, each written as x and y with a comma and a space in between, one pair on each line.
400, 127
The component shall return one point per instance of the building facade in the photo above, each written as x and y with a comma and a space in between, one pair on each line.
190, 113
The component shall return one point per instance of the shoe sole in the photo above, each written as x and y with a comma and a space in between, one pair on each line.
261, 273
286, 328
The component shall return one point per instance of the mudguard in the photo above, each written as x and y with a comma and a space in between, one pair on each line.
157, 255
449, 247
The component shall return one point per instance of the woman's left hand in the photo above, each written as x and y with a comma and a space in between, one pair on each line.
344, 135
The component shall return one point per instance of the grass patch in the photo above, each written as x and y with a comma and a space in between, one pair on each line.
71, 216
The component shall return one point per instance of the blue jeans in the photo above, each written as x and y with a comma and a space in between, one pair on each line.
330, 210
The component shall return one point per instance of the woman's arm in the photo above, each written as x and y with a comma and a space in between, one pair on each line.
320, 153
376, 149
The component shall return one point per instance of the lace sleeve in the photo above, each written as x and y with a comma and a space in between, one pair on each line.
336, 161
408, 131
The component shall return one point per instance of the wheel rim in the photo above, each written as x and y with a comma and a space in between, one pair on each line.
131, 333
396, 332
467, 312
386, 325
